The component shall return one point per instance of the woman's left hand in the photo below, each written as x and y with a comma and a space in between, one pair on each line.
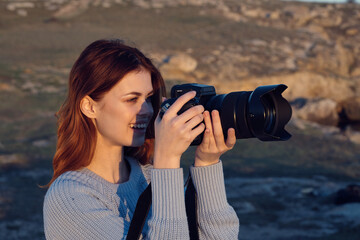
213, 144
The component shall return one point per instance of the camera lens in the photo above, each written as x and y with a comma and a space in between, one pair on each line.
262, 113
270, 114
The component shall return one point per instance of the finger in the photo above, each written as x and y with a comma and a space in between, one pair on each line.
193, 122
217, 129
207, 121
208, 134
197, 131
231, 139
209, 127
179, 103
191, 113
206, 139
163, 99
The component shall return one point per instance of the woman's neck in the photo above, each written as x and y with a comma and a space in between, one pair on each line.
110, 164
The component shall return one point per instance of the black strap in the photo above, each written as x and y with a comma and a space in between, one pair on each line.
141, 211
191, 209
143, 207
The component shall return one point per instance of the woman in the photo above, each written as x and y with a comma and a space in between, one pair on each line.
107, 154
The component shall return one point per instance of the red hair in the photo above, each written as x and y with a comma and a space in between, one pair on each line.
99, 67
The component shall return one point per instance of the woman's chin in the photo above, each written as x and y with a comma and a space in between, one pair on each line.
137, 142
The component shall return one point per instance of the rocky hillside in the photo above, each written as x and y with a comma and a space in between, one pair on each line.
312, 48
280, 190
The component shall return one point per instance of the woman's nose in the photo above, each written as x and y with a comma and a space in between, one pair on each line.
146, 108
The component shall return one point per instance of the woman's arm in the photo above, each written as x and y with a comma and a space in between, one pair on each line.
169, 219
216, 218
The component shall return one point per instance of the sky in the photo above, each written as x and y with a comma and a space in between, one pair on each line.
324, 1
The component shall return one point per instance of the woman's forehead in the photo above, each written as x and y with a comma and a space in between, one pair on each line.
135, 81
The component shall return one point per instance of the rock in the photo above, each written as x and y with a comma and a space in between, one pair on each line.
22, 12
353, 136
350, 108
6, 87
15, 5
253, 13
333, 21
346, 59
41, 143
309, 192
346, 214
301, 14
106, 4
337, 59
71, 9
300, 85
350, 194
182, 61
322, 111
244, 207
352, 31
179, 67
356, 72
10, 159
142, 4
258, 43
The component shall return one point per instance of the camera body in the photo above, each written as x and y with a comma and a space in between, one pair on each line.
262, 113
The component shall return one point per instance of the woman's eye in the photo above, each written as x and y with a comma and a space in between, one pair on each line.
132, 99
149, 98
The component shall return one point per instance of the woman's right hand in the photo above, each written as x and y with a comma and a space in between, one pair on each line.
174, 133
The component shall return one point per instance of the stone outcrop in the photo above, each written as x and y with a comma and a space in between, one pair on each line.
322, 111
312, 48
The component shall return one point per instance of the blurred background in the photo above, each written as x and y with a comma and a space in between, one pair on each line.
304, 188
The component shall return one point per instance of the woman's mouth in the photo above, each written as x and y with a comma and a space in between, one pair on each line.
138, 126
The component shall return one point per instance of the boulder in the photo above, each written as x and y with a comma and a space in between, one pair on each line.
6, 87
178, 67
16, 5
346, 213
322, 111
353, 136
337, 59
181, 61
302, 84
350, 194
71, 9
350, 109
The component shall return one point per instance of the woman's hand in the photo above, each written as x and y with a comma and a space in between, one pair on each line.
213, 144
174, 133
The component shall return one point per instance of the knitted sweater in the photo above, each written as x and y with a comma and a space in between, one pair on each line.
82, 205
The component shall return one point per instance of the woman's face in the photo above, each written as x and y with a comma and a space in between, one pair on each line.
124, 112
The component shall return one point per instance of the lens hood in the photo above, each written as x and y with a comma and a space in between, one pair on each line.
268, 113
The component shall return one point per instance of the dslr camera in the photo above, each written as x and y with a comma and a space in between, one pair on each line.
262, 113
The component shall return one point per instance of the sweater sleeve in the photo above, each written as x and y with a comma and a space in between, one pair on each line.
75, 211
217, 219
168, 219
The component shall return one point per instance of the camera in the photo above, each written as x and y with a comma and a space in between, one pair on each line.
262, 113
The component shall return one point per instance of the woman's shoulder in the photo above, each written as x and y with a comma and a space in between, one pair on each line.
71, 181
80, 182
75, 178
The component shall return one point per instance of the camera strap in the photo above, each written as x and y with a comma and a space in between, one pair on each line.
191, 209
143, 206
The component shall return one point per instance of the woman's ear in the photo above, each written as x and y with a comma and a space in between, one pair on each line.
87, 107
